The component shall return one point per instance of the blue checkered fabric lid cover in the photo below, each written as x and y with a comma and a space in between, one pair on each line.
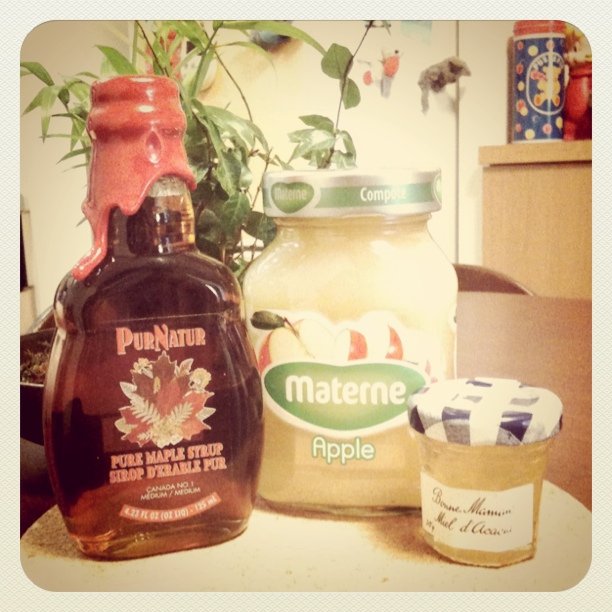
485, 411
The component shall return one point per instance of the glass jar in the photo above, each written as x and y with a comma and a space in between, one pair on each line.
351, 308
484, 446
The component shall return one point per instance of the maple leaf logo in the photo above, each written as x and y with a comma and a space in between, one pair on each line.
167, 402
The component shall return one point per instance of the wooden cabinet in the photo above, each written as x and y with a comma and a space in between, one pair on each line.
537, 210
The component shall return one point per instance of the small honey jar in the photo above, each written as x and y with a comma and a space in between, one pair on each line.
483, 446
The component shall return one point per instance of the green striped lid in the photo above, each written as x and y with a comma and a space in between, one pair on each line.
338, 193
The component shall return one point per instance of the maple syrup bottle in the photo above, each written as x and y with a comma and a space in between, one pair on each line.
152, 408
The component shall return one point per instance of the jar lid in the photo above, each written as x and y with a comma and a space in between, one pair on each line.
485, 411
339, 193
531, 27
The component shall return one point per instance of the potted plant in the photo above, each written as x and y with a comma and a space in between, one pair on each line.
221, 145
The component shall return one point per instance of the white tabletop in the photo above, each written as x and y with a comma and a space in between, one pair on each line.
279, 552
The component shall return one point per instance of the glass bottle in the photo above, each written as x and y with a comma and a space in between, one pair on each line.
152, 409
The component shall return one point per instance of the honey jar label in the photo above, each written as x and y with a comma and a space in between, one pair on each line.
470, 519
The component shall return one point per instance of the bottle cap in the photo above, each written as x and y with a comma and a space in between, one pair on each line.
485, 411
137, 126
342, 193
538, 27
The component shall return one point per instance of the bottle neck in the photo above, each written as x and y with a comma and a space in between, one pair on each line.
352, 226
163, 224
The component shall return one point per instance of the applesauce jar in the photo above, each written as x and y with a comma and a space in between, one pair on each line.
350, 309
484, 446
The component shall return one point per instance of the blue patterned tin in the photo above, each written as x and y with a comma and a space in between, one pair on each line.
539, 81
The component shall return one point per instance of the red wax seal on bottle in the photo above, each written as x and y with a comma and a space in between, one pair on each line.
136, 126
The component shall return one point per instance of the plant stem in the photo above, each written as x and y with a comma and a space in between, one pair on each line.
233, 80
348, 69
256, 237
150, 46
135, 45
203, 54
343, 84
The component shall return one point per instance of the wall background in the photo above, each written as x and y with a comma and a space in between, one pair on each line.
51, 192
388, 131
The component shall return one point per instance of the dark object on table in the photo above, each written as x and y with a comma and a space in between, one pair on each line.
34, 477
34, 355
479, 278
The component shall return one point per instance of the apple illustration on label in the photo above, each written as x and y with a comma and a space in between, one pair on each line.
281, 345
309, 339
396, 350
350, 345
377, 343
305, 339
316, 339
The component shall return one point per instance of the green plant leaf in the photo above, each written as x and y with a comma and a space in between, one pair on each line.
228, 171
80, 89
57, 136
86, 73
49, 96
300, 135
231, 126
336, 63
200, 74
209, 226
310, 141
75, 153
199, 173
64, 96
281, 28
243, 133
118, 61
342, 160
347, 141
234, 212
277, 161
83, 165
260, 226
38, 71
35, 102
238, 265
208, 247
318, 121
264, 319
350, 94
246, 176
78, 134
193, 32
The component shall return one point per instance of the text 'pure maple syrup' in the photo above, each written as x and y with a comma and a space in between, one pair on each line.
152, 408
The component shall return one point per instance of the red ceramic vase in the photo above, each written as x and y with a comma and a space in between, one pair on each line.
577, 113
